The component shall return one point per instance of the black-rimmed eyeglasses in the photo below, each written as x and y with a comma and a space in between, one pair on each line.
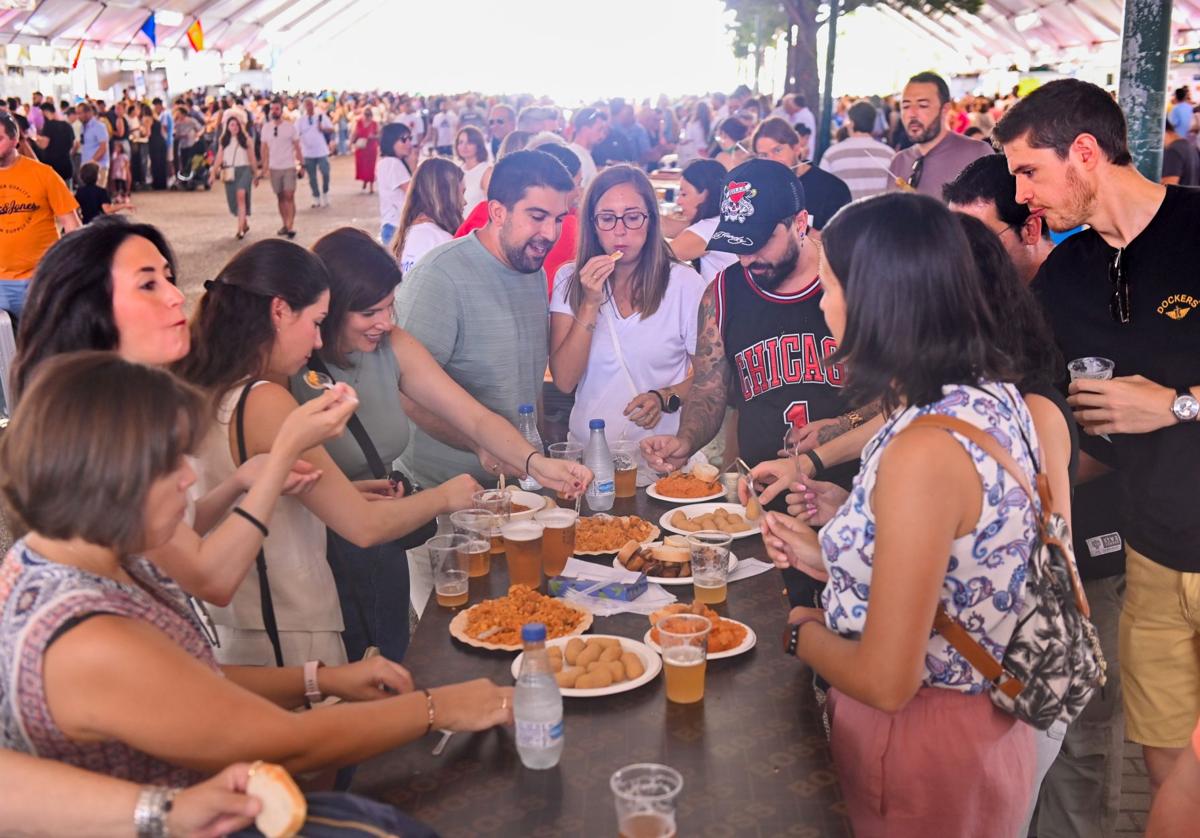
1119, 305
633, 220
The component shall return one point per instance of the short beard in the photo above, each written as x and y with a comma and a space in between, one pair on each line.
778, 272
521, 261
930, 133
1079, 198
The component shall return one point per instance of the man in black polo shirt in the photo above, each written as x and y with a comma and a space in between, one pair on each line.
761, 340
1127, 289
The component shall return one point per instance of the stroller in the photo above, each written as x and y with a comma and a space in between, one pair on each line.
194, 167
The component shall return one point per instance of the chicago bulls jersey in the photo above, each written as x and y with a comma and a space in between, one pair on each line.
776, 345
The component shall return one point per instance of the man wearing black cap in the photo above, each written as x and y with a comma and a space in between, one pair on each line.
762, 339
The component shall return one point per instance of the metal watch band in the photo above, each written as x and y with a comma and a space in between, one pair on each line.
150, 815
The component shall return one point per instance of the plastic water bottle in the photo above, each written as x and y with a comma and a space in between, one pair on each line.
537, 703
599, 459
527, 425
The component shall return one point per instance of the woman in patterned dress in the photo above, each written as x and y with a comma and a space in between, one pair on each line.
918, 745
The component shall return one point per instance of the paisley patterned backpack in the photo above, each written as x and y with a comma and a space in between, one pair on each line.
1053, 662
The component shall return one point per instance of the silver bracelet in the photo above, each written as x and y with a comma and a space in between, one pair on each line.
150, 815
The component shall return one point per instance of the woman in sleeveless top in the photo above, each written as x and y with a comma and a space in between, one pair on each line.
471, 150
394, 376
918, 745
112, 287
92, 634
235, 156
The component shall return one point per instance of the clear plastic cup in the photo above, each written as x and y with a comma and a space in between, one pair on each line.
523, 550
1097, 369
477, 524
558, 538
448, 554
625, 466
645, 795
683, 639
710, 565
499, 503
572, 451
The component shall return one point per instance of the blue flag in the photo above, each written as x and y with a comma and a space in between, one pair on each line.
148, 29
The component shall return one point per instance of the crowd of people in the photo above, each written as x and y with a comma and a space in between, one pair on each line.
883, 334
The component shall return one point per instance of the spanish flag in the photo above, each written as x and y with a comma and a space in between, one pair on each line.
78, 52
196, 36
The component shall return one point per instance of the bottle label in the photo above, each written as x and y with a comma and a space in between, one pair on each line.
602, 488
539, 734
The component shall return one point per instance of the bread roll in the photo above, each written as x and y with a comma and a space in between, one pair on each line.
706, 472
671, 554
283, 806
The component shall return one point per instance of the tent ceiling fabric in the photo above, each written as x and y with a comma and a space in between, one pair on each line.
1001, 28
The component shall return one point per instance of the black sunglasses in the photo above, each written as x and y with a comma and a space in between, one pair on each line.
1119, 305
918, 169
497, 121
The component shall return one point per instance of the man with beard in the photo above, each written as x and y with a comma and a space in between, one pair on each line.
761, 338
937, 154
1126, 290
478, 304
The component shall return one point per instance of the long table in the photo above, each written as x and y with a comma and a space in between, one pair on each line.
753, 753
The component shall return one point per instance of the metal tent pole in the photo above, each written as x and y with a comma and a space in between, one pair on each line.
824, 129
1145, 41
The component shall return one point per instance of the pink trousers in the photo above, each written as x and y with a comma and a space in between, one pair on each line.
948, 764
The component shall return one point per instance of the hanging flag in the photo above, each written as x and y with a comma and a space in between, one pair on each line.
148, 29
196, 36
78, 52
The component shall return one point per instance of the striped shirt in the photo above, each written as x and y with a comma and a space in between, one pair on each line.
862, 162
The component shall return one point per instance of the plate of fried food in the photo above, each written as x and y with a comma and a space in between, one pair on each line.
602, 535
604, 664
496, 623
727, 639
723, 517
700, 484
668, 562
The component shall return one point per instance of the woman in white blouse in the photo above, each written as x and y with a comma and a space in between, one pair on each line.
433, 210
623, 315
393, 172
472, 152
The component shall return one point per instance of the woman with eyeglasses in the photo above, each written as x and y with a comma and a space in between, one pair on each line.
433, 210
824, 193
730, 134
699, 198
471, 150
623, 315
394, 172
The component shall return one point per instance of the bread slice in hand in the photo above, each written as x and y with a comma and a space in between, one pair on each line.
283, 806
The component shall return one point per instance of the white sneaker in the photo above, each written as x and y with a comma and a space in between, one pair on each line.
325, 199
315, 203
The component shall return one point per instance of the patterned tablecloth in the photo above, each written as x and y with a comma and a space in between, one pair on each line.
753, 753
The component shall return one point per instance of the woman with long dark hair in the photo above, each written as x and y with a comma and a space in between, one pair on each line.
693, 140
156, 136
433, 210
699, 199
933, 520
360, 344
472, 152
731, 148
236, 163
623, 314
394, 173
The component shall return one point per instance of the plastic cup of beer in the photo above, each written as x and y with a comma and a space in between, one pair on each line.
710, 565
558, 538
523, 549
448, 553
1098, 369
572, 451
478, 525
499, 503
683, 639
625, 467
645, 795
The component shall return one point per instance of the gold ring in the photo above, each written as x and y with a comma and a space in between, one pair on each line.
504, 703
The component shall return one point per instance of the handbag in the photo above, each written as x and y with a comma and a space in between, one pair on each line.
342, 815
360, 143
1053, 661
227, 174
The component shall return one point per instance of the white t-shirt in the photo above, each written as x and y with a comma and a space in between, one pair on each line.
421, 239
280, 143
713, 261
312, 140
656, 351
415, 123
473, 183
587, 166
445, 124
391, 176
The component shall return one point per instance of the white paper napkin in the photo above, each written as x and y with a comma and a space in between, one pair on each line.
654, 598
749, 567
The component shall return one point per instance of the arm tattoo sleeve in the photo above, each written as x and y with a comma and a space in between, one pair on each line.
705, 408
849, 421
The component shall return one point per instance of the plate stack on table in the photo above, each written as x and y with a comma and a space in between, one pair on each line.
753, 753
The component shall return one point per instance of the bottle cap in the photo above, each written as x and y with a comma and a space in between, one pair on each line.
533, 633
525, 408
596, 425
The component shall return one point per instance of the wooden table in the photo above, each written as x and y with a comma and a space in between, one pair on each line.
753, 753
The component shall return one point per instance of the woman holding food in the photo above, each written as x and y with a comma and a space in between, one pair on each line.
92, 634
623, 315
933, 520
389, 369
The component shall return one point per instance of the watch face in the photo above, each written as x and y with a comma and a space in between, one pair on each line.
1186, 408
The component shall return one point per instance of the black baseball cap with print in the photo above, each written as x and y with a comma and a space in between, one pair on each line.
757, 196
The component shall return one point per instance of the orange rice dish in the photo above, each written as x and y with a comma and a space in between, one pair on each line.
680, 485
610, 534
723, 636
522, 605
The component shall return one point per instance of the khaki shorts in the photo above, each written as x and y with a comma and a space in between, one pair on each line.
1160, 652
283, 180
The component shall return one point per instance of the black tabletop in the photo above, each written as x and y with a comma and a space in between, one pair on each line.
753, 753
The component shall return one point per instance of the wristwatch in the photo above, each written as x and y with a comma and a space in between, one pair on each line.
1185, 407
671, 404
312, 689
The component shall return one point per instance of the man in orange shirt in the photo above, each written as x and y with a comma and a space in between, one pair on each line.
34, 203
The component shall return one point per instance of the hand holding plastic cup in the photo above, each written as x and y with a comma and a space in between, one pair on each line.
448, 554
1096, 369
499, 503
645, 795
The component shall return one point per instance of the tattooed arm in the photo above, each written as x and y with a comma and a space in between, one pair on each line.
846, 422
704, 409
